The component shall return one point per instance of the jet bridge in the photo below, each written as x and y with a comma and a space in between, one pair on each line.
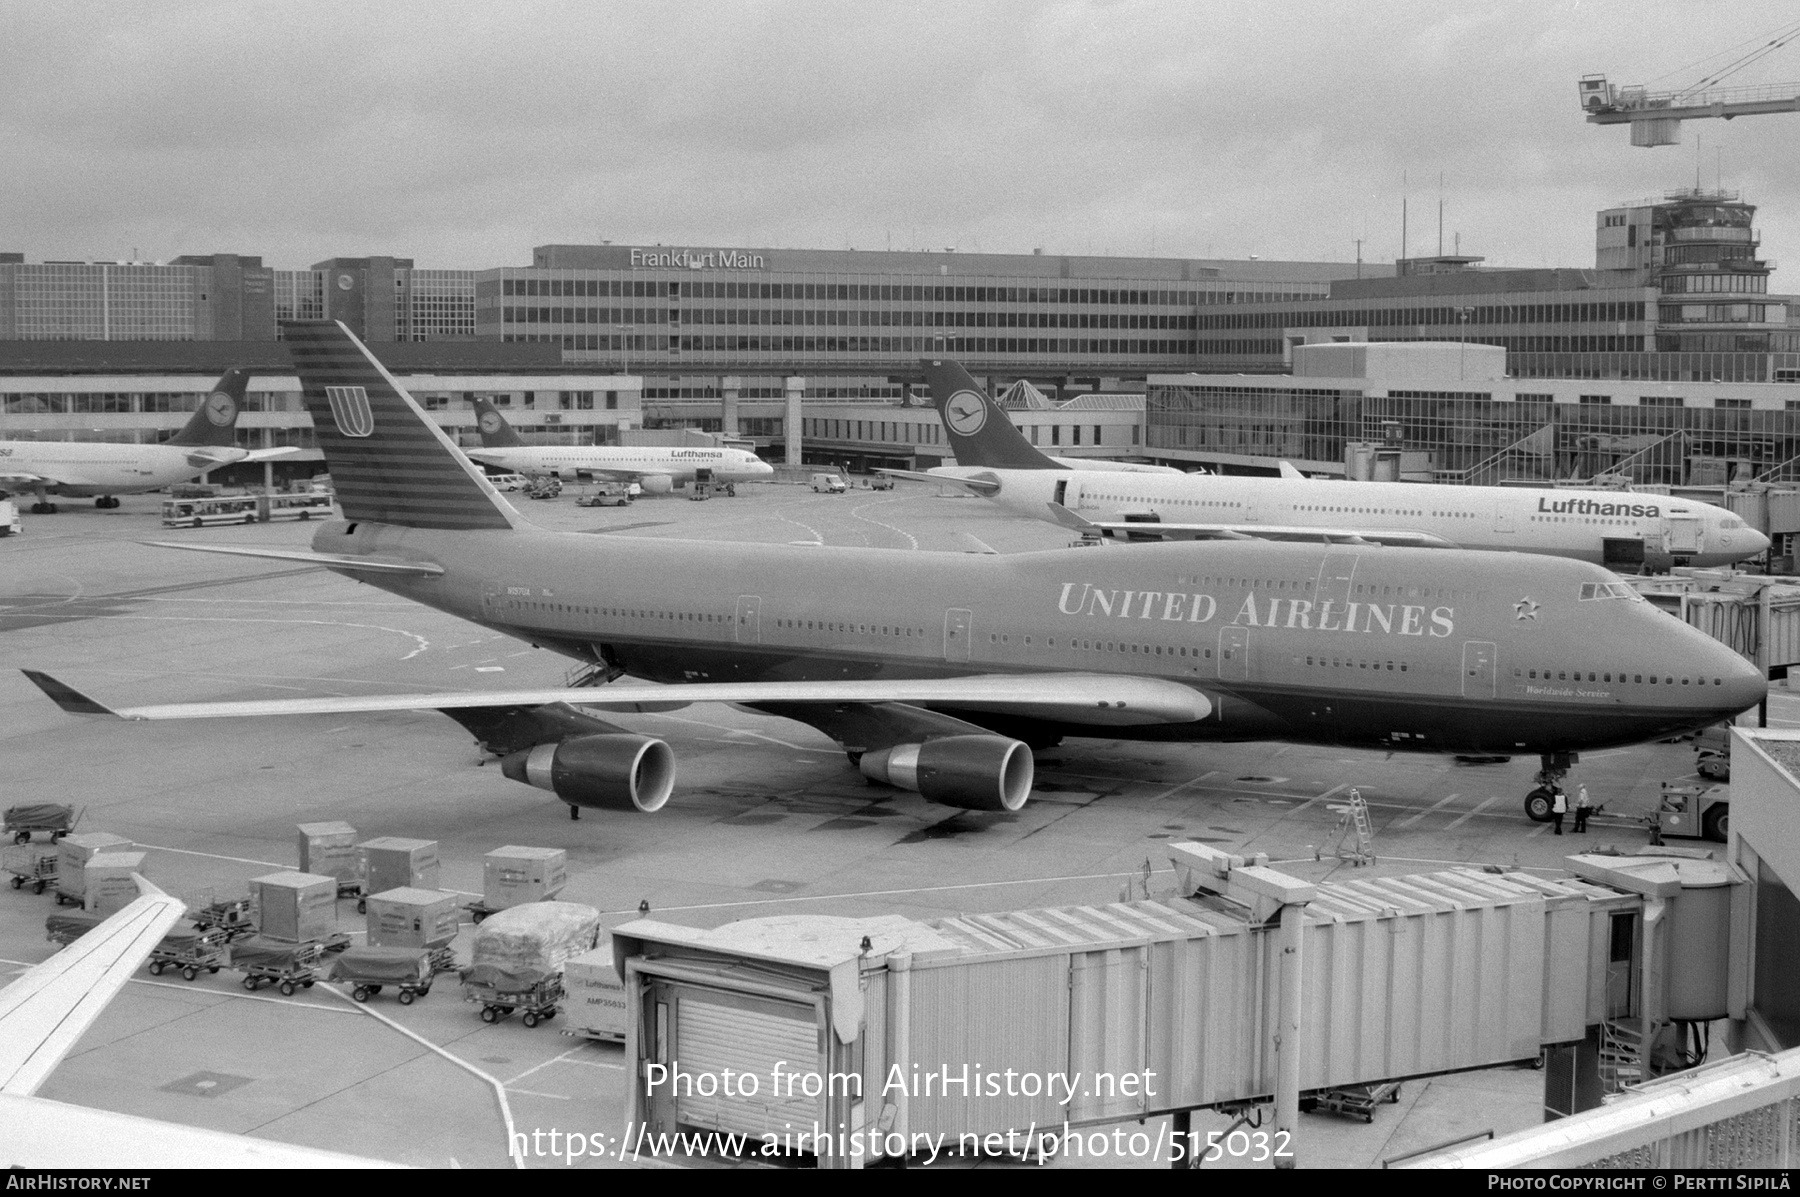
869, 1038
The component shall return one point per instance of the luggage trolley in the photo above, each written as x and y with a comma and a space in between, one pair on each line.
66, 928
501, 992
31, 864
290, 966
189, 949
24, 820
368, 969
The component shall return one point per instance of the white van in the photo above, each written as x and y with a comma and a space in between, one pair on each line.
831, 484
508, 481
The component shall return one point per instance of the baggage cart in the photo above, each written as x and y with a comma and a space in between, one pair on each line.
188, 949
28, 818
31, 864
66, 928
478, 909
1358, 1101
290, 966
368, 970
228, 916
501, 992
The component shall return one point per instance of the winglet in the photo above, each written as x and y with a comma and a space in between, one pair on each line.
67, 697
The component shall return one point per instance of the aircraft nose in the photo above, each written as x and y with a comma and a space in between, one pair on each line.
1757, 542
1744, 684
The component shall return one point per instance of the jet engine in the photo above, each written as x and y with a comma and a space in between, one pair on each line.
610, 771
972, 772
656, 484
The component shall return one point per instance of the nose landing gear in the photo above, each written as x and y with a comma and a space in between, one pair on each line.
1555, 767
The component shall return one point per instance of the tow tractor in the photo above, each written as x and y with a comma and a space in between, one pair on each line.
1692, 812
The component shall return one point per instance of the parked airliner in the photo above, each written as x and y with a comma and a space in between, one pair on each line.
1619, 529
102, 470
656, 468
938, 672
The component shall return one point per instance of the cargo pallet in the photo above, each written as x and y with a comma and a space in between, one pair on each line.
539, 1002
22, 821
368, 970
296, 968
189, 954
31, 864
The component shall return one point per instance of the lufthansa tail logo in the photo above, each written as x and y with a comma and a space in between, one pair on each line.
490, 421
966, 412
221, 409
350, 410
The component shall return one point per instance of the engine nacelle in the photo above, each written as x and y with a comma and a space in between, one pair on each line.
610, 772
971, 772
656, 484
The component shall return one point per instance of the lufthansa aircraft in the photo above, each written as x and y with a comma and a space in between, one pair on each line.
657, 469
83, 469
938, 672
1605, 527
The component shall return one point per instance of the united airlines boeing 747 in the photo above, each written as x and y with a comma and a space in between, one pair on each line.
938, 672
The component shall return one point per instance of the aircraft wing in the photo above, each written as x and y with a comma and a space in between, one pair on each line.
975, 483
373, 565
28, 479
45, 1011
1098, 700
1135, 530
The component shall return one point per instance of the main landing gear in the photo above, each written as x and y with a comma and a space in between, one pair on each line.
43, 507
104, 501
1556, 766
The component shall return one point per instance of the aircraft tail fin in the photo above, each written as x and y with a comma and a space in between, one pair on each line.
215, 421
496, 433
978, 430
389, 461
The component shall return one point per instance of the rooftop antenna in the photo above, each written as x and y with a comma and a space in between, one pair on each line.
1440, 213
1359, 242
1403, 215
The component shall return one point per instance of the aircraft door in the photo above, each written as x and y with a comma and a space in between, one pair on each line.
1478, 669
1682, 534
1505, 518
1334, 578
1062, 493
1234, 654
749, 620
957, 621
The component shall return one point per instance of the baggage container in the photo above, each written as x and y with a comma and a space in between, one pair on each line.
390, 862
537, 935
329, 850
514, 875
295, 907
106, 883
74, 852
413, 918
594, 997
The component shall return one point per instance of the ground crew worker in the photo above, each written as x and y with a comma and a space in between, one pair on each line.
1559, 806
1583, 808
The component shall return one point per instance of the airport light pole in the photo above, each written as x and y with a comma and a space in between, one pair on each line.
625, 347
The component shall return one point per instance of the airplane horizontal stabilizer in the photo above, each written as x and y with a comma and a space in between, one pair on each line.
374, 565
980, 484
1091, 699
266, 454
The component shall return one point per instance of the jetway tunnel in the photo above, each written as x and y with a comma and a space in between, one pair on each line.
862, 1039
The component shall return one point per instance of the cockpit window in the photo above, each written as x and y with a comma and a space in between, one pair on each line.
1729, 523
1592, 591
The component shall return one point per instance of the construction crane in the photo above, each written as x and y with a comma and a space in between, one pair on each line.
1655, 116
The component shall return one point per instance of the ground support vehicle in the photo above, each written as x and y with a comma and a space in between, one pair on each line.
700, 491
500, 992
1712, 754
26, 819
31, 864
65, 929
605, 496
479, 910
829, 484
880, 482
1359, 1101
197, 513
1692, 812
276, 962
9, 516
189, 949
548, 488
368, 970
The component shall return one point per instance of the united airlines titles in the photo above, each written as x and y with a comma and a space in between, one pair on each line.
1328, 615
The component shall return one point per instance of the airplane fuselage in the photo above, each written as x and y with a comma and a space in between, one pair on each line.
1443, 651
677, 464
88, 468
1561, 523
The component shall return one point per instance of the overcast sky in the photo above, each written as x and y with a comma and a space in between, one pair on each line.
462, 134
